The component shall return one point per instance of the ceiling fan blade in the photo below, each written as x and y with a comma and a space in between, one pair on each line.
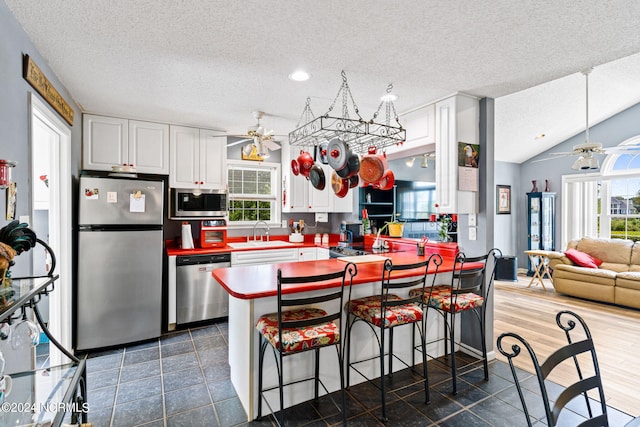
270, 144
558, 156
240, 141
628, 149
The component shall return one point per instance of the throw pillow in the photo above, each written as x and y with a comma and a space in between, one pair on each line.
582, 259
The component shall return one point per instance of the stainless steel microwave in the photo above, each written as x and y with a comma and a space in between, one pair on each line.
184, 204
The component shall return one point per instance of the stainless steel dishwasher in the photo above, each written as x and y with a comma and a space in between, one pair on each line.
198, 295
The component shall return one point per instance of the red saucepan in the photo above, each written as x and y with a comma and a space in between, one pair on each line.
340, 186
387, 180
372, 166
305, 163
294, 167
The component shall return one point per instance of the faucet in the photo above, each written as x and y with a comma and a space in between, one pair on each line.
255, 226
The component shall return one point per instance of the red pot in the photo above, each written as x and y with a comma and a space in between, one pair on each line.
372, 166
305, 163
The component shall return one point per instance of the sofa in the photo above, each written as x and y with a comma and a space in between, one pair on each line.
606, 270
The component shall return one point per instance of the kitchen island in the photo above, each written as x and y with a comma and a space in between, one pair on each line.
253, 292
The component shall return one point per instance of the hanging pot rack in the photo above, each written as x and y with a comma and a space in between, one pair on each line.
360, 135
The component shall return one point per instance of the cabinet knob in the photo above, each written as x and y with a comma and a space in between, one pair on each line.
201, 182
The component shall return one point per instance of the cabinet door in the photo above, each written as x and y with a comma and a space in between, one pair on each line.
307, 254
184, 144
104, 142
446, 156
321, 200
344, 204
213, 160
149, 147
296, 187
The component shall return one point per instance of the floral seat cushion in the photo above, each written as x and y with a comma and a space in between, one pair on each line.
368, 309
298, 339
441, 299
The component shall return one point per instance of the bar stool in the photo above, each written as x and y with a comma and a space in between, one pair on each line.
303, 328
385, 312
467, 291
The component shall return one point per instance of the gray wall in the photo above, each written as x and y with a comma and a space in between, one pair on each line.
506, 225
611, 132
14, 138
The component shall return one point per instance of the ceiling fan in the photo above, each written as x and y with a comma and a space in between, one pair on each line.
261, 138
585, 151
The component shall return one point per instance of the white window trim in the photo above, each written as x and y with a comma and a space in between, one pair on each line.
579, 198
247, 164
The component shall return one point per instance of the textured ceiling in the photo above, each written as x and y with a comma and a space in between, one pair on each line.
211, 63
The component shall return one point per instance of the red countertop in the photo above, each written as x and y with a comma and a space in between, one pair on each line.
259, 281
173, 250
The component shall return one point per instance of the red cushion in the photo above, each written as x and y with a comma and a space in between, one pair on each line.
582, 259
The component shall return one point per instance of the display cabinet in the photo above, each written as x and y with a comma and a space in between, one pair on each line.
380, 205
44, 395
540, 222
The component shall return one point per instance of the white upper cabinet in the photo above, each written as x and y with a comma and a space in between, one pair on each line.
198, 158
110, 141
149, 146
420, 126
457, 120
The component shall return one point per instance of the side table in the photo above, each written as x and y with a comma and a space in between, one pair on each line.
540, 262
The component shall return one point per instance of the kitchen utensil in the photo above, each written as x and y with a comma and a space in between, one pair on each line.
305, 163
294, 167
352, 167
321, 151
340, 186
372, 166
337, 153
354, 181
387, 180
25, 334
316, 175
5, 332
5, 387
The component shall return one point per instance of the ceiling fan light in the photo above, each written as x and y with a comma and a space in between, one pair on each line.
262, 151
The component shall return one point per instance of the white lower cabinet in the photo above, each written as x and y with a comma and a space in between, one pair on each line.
263, 256
322, 253
307, 254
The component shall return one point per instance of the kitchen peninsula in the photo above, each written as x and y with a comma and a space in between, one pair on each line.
253, 292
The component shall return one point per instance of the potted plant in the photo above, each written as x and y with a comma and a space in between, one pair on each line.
444, 228
395, 229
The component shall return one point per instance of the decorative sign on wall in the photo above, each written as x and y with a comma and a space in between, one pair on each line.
39, 81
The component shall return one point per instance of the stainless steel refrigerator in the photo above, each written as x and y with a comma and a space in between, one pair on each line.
119, 287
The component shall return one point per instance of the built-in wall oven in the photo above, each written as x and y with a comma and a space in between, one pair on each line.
198, 295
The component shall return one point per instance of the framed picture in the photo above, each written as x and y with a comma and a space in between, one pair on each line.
503, 199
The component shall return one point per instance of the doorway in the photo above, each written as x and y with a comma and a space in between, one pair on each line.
51, 213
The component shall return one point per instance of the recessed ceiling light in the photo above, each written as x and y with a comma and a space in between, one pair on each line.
299, 76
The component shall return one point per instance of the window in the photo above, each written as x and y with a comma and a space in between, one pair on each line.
253, 192
606, 204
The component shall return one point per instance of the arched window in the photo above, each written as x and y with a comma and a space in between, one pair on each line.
607, 203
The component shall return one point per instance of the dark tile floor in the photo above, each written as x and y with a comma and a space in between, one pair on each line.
182, 379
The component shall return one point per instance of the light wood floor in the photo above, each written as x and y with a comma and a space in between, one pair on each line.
531, 312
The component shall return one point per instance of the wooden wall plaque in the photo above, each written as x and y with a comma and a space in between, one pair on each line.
41, 83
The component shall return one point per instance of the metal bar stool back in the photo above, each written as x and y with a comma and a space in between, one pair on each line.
387, 310
303, 323
580, 354
471, 281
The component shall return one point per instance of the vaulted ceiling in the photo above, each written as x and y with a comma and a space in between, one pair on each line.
210, 63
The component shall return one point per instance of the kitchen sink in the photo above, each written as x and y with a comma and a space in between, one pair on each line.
259, 244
